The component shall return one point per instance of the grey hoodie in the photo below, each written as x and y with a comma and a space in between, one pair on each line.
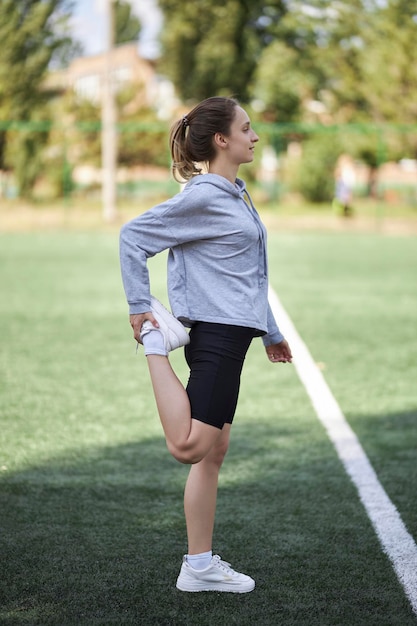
217, 264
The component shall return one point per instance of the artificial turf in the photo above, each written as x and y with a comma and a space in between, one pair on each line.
92, 530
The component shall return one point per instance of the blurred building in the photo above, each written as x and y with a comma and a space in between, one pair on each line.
85, 76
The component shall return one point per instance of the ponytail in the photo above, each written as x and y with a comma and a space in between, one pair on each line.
183, 167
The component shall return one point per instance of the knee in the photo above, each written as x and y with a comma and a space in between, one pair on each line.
186, 456
191, 453
190, 456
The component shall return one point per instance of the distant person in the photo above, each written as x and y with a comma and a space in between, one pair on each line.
343, 197
344, 190
218, 287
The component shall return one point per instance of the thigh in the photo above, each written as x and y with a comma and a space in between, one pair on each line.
215, 355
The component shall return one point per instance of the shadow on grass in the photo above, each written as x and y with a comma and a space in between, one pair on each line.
97, 538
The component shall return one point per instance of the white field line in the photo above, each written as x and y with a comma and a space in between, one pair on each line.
395, 539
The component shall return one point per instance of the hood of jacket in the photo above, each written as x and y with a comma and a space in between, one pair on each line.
236, 189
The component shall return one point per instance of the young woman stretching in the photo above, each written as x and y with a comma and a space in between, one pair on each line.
218, 287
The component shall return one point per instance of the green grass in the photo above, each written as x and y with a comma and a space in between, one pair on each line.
92, 530
363, 294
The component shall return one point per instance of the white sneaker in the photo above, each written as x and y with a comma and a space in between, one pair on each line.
218, 576
172, 330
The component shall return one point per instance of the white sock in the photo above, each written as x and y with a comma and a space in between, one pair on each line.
200, 561
153, 342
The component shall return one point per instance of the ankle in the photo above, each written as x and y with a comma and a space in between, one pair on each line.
200, 561
154, 343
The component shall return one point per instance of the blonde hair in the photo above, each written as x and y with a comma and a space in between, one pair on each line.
191, 137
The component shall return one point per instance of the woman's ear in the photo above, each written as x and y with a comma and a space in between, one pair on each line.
220, 140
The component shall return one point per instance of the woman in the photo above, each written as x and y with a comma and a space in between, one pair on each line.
217, 286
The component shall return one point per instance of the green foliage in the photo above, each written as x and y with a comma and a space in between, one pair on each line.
315, 174
23, 153
56, 180
30, 36
143, 140
213, 47
127, 25
368, 57
278, 84
85, 129
298, 61
287, 54
389, 72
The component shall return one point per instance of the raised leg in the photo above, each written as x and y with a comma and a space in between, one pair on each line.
188, 440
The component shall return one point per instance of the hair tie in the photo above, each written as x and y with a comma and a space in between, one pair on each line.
185, 121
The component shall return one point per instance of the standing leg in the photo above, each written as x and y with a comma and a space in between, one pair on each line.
215, 355
200, 495
211, 573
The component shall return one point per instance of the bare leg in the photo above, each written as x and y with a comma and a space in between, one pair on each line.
187, 439
200, 495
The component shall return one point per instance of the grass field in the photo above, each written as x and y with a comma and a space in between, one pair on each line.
92, 530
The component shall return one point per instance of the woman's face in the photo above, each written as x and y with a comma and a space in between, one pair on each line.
241, 139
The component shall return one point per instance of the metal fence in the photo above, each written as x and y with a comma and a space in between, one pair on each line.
382, 157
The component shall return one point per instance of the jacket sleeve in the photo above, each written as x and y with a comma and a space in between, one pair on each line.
140, 239
274, 334
165, 226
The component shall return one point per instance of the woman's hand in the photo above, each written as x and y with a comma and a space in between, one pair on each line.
279, 352
136, 322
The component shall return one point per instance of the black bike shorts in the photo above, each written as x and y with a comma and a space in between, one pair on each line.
215, 356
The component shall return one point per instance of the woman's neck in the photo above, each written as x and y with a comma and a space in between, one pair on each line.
226, 170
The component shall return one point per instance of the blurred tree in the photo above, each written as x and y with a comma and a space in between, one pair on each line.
350, 62
287, 53
279, 85
389, 63
32, 35
315, 175
127, 25
213, 46
368, 58
370, 67
305, 59
142, 137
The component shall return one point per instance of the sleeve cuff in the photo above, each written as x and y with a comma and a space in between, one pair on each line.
271, 339
139, 307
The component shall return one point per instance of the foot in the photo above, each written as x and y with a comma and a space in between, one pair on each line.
218, 576
173, 332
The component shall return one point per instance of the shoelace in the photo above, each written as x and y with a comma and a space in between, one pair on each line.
218, 562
